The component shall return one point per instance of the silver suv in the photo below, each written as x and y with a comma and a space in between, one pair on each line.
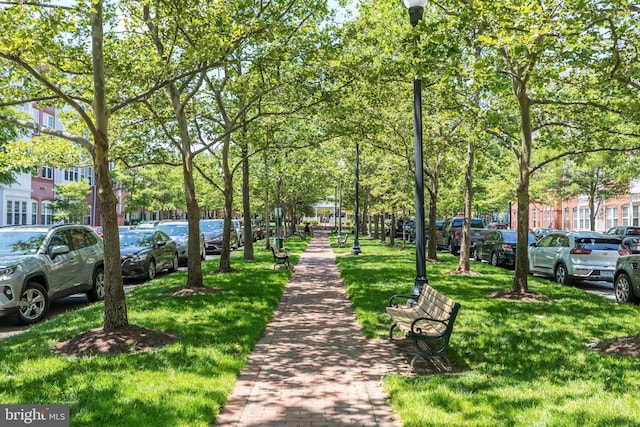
179, 231
39, 264
568, 256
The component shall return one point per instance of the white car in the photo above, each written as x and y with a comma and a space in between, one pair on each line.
570, 256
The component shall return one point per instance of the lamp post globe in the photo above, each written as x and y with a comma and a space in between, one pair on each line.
416, 8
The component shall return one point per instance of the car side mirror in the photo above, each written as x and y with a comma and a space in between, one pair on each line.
59, 250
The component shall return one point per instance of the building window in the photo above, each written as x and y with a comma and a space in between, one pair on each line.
34, 213
48, 121
612, 216
636, 215
89, 216
575, 218
46, 172
583, 219
46, 216
567, 220
16, 212
625, 215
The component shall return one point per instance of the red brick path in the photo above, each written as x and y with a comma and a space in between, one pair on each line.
313, 366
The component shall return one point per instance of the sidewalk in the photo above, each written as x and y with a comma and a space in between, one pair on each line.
313, 366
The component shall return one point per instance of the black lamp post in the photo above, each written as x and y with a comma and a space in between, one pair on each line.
340, 165
355, 249
416, 8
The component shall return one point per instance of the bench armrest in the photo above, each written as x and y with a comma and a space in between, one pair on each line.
399, 296
417, 330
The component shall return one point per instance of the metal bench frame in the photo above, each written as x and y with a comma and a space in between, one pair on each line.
429, 321
342, 240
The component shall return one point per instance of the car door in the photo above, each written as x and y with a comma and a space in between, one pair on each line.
88, 251
539, 253
547, 253
164, 251
64, 268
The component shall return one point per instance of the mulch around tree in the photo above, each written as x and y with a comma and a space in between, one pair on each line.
128, 340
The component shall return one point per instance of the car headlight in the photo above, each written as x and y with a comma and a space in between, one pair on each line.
8, 271
139, 257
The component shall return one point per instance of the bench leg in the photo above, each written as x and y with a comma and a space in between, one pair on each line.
425, 351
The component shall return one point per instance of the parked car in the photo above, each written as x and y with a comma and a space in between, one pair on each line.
147, 224
259, 230
497, 226
238, 226
624, 230
631, 243
499, 247
569, 256
145, 252
98, 230
450, 235
626, 280
179, 232
213, 234
40, 264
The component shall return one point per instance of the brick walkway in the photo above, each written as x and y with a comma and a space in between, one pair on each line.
313, 366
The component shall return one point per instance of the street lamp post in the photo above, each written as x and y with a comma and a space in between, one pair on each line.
355, 249
416, 8
340, 165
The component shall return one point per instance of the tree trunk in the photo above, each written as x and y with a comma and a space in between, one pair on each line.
115, 304
227, 190
463, 263
520, 284
246, 204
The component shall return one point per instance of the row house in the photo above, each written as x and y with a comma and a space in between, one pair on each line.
29, 200
575, 214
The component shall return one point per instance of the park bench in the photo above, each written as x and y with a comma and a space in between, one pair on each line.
342, 240
280, 257
429, 321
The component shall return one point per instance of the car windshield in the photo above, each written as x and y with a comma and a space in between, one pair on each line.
20, 242
174, 229
212, 225
597, 243
136, 239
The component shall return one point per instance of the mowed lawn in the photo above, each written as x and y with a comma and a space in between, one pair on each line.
520, 363
182, 384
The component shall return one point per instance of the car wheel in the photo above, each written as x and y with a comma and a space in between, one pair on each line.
203, 253
34, 304
176, 262
151, 269
562, 275
494, 259
97, 291
623, 289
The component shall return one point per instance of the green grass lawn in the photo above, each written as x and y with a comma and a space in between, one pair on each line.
523, 363
185, 383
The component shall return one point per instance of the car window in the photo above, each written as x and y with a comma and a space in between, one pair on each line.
161, 237
174, 229
597, 243
58, 238
21, 242
211, 225
80, 238
546, 241
477, 223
